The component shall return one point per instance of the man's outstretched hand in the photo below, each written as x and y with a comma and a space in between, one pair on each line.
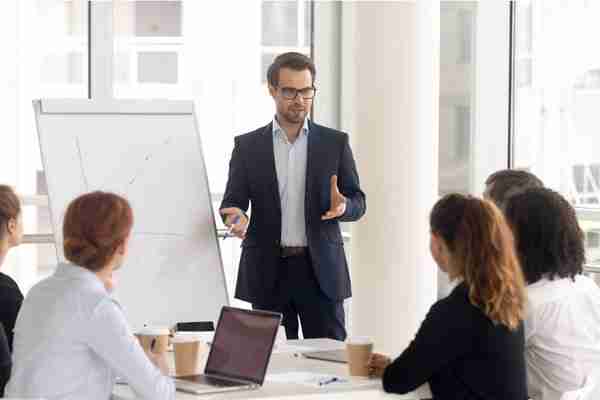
338, 202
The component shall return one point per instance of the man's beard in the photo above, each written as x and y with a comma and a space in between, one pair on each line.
294, 117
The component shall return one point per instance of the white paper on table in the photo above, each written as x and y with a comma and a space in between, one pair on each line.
319, 380
284, 348
305, 378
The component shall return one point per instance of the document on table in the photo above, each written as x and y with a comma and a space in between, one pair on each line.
284, 348
320, 380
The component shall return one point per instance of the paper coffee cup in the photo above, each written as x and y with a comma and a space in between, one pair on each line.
189, 351
359, 351
158, 335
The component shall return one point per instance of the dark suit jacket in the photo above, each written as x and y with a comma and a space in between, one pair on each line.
462, 354
253, 180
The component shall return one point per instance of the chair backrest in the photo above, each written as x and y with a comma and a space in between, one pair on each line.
584, 393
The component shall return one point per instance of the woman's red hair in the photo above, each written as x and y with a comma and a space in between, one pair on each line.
95, 225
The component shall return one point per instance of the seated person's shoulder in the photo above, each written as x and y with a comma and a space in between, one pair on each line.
9, 290
6, 282
99, 303
458, 304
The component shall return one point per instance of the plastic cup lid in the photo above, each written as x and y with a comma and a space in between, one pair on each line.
186, 338
153, 331
359, 340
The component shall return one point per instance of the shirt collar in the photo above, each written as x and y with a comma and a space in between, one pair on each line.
84, 274
277, 129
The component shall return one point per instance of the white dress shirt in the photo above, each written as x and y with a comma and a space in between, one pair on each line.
290, 165
71, 340
562, 336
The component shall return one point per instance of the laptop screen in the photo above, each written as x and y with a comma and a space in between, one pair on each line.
242, 345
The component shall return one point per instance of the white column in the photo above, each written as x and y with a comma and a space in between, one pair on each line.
390, 92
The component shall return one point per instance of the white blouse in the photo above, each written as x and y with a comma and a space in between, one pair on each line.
72, 340
562, 335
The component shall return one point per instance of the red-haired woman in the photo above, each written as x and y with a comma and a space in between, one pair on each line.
471, 344
71, 338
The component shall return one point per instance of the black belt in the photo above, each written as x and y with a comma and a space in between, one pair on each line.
293, 251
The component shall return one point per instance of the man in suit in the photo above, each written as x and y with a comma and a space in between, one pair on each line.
301, 181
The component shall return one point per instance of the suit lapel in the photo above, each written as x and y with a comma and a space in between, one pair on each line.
311, 163
268, 161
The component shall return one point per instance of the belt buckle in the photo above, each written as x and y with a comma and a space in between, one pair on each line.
291, 251
284, 252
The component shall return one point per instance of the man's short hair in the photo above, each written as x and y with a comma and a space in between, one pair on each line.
507, 182
291, 60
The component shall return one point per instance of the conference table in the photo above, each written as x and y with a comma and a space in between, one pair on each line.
289, 377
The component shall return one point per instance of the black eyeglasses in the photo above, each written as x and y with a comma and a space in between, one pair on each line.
290, 93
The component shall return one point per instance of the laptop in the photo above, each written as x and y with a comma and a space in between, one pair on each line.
239, 354
339, 356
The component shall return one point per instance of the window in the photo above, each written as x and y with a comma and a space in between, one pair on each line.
594, 274
557, 124
473, 108
48, 61
457, 90
593, 239
286, 27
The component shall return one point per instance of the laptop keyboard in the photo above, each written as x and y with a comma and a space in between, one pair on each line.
212, 381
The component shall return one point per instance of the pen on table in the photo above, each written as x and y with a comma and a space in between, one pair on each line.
328, 381
152, 345
229, 232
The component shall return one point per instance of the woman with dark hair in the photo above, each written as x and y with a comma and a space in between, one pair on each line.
71, 338
471, 344
562, 325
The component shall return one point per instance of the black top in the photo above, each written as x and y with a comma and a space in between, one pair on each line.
11, 299
462, 355
5, 361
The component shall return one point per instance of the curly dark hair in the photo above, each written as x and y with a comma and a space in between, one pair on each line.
550, 242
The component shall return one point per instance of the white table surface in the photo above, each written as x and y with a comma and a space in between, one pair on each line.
284, 360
